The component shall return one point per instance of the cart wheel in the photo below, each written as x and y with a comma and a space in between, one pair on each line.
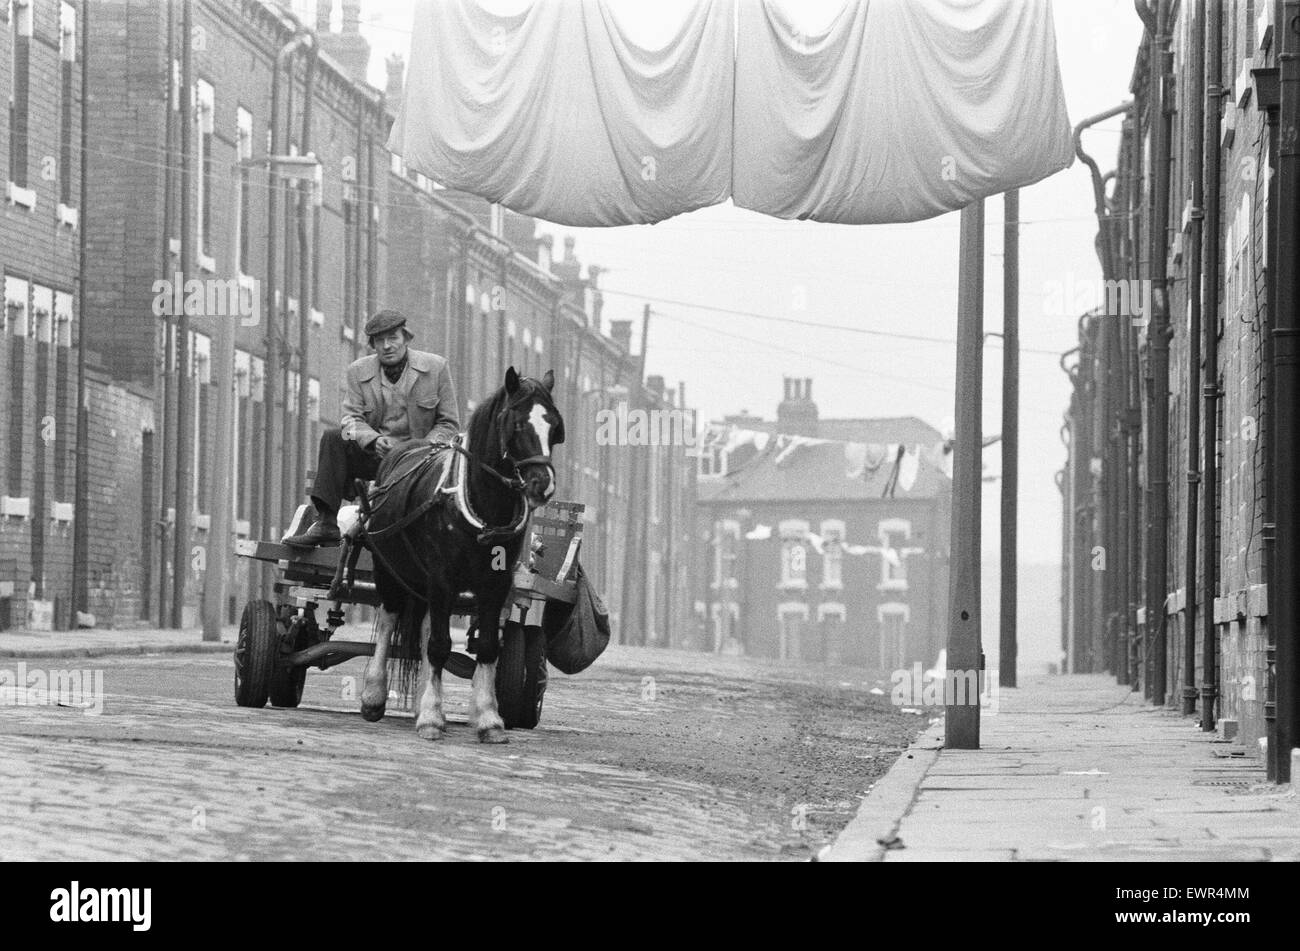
521, 675
287, 682
256, 653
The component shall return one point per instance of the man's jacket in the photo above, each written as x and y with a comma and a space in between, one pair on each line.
430, 403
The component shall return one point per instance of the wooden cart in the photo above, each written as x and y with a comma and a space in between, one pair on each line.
278, 642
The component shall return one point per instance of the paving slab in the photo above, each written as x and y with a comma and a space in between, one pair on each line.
1075, 768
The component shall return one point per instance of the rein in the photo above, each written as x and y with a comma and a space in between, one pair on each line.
487, 534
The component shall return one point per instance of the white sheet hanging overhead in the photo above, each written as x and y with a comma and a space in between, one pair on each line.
557, 112
898, 110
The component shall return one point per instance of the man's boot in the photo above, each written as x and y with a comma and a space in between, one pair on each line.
324, 532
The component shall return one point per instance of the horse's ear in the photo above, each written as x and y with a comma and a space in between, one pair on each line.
548, 381
512, 381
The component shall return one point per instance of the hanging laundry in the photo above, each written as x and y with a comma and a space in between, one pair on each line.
561, 112
899, 110
855, 459
787, 446
876, 456
759, 533
908, 466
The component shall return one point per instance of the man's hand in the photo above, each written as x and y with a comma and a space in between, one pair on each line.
384, 444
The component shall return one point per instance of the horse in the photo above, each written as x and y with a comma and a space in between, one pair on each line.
433, 540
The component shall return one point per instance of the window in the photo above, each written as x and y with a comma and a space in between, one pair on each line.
832, 531
20, 34
63, 318
1236, 250
794, 553
242, 371
201, 347
725, 542
42, 314
243, 152
893, 533
791, 617
67, 57
16, 305
203, 206
893, 618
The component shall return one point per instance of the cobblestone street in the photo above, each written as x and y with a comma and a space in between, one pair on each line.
648, 755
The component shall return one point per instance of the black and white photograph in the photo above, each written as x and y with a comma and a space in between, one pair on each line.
688, 431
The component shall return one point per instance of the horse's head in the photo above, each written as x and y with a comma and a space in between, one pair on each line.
529, 427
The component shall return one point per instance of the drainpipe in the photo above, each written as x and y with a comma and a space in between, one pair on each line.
184, 433
1107, 436
1133, 403
1158, 350
1284, 594
162, 422
308, 195
271, 436
1196, 169
1210, 329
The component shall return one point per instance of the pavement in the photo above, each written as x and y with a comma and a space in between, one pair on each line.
97, 642
1075, 768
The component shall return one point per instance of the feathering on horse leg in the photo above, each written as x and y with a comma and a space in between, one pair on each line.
430, 723
374, 692
484, 714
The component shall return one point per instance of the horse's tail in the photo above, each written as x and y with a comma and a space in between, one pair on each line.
404, 649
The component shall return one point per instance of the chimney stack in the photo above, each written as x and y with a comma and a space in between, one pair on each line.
349, 48
797, 414
620, 331
396, 71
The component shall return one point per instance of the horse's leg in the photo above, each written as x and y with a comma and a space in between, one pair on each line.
374, 692
483, 713
435, 646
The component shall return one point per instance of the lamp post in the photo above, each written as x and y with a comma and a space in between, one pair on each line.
301, 168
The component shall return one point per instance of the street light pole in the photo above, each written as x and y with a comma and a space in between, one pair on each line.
962, 713
1007, 645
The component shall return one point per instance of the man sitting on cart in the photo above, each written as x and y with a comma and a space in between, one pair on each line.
394, 394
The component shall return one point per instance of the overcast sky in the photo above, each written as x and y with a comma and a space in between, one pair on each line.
893, 278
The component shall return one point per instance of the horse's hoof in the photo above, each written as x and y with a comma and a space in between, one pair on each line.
372, 713
493, 734
430, 731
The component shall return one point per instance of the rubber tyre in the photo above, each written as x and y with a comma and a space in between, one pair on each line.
521, 675
256, 653
285, 688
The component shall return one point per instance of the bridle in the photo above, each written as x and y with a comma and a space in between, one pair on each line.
488, 534
515, 481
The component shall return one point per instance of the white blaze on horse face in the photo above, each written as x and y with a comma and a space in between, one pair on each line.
537, 416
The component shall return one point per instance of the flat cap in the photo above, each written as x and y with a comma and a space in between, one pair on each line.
385, 321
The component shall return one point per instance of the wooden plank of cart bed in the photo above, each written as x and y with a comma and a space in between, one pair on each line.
324, 559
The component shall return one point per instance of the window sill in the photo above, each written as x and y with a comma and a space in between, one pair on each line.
206, 263
17, 195
69, 217
15, 506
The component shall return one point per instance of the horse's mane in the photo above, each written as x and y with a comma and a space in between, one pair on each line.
482, 419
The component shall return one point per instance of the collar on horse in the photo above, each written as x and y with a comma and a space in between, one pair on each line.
454, 484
